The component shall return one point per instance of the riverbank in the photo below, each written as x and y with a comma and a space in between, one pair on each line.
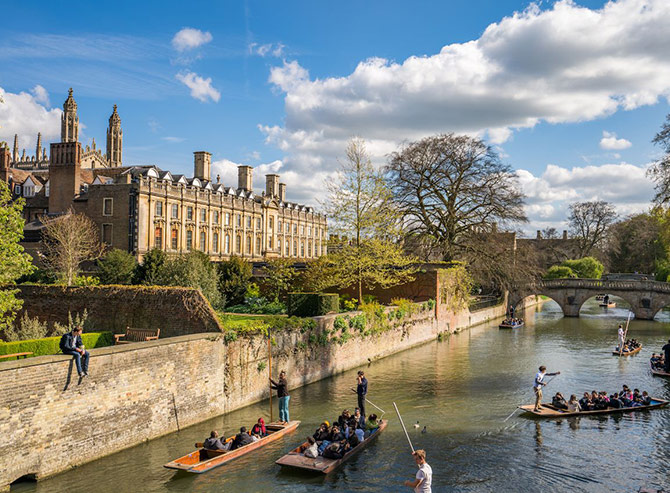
139, 392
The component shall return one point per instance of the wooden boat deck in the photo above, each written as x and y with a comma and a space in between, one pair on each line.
659, 373
202, 460
628, 353
322, 465
549, 411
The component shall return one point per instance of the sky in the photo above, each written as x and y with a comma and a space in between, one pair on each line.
569, 93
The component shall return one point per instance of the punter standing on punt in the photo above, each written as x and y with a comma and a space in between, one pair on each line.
622, 335
539, 383
424, 476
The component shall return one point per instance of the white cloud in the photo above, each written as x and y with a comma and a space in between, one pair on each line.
549, 194
611, 143
564, 64
41, 95
190, 38
274, 49
173, 139
25, 114
201, 89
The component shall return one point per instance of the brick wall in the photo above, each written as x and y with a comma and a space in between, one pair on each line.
176, 311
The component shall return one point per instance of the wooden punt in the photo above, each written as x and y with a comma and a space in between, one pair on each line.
202, 460
510, 326
658, 373
600, 297
295, 460
549, 411
628, 353
608, 305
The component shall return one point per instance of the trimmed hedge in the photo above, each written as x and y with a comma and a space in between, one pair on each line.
312, 304
49, 345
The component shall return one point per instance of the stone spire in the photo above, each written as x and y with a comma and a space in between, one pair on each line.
15, 152
38, 148
69, 127
114, 140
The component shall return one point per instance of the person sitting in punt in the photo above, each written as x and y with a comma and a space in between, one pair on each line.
585, 402
360, 419
646, 400
322, 433
333, 451
241, 439
371, 425
259, 428
336, 435
344, 418
312, 450
573, 404
214, 442
558, 401
615, 402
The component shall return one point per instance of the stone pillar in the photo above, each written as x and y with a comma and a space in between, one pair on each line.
272, 185
565, 234
202, 165
245, 178
282, 192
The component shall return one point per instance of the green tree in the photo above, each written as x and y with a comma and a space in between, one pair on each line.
361, 208
279, 278
193, 270
117, 267
585, 268
234, 276
559, 272
14, 262
149, 270
635, 244
659, 171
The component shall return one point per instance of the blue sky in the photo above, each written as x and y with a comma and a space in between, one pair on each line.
282, 85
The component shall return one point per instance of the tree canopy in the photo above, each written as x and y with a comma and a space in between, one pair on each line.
589, 222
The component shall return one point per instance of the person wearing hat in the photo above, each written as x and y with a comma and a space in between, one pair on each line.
539, 383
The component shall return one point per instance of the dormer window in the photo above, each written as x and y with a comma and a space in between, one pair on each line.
17, 189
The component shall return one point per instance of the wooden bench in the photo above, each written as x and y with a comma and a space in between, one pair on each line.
137, 335
18, 355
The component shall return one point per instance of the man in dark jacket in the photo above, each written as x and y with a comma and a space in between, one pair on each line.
666, 349
361, 390
213, 442
241, 439
71, 344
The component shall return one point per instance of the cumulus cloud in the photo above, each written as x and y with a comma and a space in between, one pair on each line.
190, 38
564, 64
549, 194
269, 49
201, 88
611, 143
25, 114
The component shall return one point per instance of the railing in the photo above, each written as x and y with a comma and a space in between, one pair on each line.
600, 284
481, 302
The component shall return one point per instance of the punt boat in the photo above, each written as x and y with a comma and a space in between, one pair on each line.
321, 465
510, 326
627, 353
659, 373
549, 411
611, 304
202, 460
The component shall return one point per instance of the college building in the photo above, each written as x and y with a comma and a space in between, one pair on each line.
137, 208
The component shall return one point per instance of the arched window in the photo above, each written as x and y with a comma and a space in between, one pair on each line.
287, 252
189, 240
249, 245
227, 245
238, 244
203, 241
259, 244
295, 248
302, 249
309, 248
174, 239
158, 238
215, 242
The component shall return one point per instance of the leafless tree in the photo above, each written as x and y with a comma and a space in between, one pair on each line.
451, 188
67, 241
549, 233
660, 170
589, 222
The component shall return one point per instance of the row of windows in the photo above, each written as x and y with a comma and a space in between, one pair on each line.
202, 244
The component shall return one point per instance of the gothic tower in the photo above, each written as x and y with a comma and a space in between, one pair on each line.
69, 124
114, 140
38, 148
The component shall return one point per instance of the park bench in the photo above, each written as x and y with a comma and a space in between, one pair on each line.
137, 335
17, 355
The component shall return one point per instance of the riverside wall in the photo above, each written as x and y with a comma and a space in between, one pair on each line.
50, 421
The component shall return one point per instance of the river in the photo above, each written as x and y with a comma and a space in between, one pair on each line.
461, 389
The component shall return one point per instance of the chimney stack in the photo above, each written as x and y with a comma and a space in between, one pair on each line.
202, 165
282, 192
565, 234
539, 234
272, 185
245, 178
5, 161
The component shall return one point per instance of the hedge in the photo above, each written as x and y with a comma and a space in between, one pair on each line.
49, 345
312, 304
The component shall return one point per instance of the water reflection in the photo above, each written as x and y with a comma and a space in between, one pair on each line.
462, 389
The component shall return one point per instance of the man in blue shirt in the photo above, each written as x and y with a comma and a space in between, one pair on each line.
362, 390
72, 344
539, 383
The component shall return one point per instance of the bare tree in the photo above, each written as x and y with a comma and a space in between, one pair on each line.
549, 233
451, 188
67, 241
589, 222
660, 170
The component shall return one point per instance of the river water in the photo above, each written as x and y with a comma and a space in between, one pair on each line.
461, 389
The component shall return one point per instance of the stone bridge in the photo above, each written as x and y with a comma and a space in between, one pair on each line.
646, 298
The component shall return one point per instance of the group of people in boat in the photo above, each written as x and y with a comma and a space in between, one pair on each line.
243, 438
657, 361
596, 401
347, 432
629, 345
512, 321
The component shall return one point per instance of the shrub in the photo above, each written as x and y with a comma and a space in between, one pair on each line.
340, 323
347, 303
430, 304
86, 281
193, 270
117, 267
79, 321
233, 279
358, 322
149, 271
585, 268
261, 366
405, 307
27, 328
50, 345
369, 298
559, 272
312, 304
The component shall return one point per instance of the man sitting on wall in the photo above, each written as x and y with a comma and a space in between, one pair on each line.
72, 344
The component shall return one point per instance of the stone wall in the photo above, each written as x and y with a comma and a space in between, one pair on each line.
50, 422
175, 311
